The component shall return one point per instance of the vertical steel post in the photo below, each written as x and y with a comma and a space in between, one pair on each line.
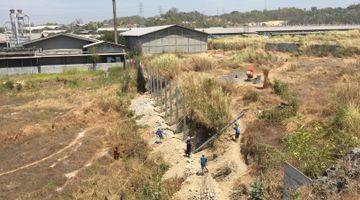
185, 114
165, 97
170, 103
177, 108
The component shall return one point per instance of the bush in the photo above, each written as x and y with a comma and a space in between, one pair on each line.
166, 65
235, 43
257, 190
284, 111
255, 56
348, 93
207, 99
310, 150
251, 96
19, 87
347, 118
74, 83
202, 63
9, 85
280, 88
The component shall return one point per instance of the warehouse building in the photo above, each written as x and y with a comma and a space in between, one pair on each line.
57, 53
166, 39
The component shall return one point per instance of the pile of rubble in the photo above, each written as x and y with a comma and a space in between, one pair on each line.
341, 177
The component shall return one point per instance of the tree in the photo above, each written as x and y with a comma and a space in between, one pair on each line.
109, 36
95, 57
2, 30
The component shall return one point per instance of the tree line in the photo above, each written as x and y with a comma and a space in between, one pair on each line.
293, 16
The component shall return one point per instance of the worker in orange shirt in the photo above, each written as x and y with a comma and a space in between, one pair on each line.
250, 72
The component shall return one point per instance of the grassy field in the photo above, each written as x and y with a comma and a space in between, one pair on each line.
309, 116
317, 122
62, 129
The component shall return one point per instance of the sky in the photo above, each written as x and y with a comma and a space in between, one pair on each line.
66, 11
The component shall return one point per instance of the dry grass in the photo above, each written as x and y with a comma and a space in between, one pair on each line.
167, 65
208, 101
199, 63
236, 43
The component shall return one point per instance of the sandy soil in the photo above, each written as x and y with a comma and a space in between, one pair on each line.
195, 186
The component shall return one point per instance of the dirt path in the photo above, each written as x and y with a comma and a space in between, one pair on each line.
73, 143
43, 177
172, 149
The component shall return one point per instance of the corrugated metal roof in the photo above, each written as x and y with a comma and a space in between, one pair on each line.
240, 30
136, 32
145, 30
101, 42
221, 30
61, 34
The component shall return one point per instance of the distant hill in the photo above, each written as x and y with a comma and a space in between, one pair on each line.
294, 16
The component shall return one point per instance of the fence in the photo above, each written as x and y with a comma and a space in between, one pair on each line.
170, 99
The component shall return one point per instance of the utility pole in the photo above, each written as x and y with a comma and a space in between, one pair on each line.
115, 22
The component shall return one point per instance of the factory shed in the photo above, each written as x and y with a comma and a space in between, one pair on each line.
59, 41
166, 39
57, 53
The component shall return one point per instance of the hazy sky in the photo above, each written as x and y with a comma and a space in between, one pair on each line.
65, 11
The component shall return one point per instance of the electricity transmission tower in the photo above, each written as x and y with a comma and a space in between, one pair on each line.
160, 11
141, 9
115, 22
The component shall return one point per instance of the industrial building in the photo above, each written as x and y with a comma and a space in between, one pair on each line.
166, 39
54, 54
215, 32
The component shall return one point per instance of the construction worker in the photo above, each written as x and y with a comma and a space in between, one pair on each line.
188, 147
116, 153
250, 72
237, 130
159, 134
203, 163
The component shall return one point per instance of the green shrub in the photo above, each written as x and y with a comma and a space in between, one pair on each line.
257, 190
280, 113
347, 118
266, 156
19, 87
9, 85
74, 83
310, 150
125, 82
115, 71
251, 96
281, 88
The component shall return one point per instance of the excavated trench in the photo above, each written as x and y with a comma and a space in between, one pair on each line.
200, 132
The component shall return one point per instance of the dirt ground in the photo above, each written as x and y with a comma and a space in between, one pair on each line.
49, 135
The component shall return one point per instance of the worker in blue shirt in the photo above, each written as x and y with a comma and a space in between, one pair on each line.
203, 163
237, 131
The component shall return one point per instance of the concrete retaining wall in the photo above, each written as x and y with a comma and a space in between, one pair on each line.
283, 47
55, 69
18, 70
